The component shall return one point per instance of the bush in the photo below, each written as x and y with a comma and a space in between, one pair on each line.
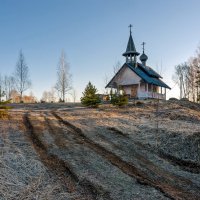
90, 97
184, 99
4, 109
173, 99
107, 98
118, 99
139, 103
61, 100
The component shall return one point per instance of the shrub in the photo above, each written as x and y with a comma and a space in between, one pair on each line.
107, 98
173, 99
118, 99
139, 103
90, 97
184, 99
61, 100
4, 109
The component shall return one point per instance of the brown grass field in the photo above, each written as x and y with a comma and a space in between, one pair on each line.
146, 150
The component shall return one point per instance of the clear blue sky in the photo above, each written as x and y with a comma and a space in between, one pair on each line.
94, 34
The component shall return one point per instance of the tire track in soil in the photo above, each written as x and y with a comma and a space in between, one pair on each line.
183, 164
60, 140
168, 190
59, 168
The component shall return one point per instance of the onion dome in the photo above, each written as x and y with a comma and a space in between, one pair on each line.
143, 57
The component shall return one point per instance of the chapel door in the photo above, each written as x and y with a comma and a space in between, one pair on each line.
134, 91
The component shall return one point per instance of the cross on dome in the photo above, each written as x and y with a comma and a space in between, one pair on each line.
143, 46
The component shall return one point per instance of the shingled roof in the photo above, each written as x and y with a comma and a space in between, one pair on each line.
145, 73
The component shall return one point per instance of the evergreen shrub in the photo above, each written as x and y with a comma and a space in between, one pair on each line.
90, 97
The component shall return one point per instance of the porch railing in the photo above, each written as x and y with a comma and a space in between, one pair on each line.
150, 95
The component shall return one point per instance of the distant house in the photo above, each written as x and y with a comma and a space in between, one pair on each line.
137, 79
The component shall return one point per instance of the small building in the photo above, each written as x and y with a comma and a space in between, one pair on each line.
138, 80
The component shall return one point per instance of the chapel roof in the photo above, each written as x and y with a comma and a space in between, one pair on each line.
145, 73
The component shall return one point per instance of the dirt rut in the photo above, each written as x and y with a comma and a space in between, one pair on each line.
163, 181
58, 166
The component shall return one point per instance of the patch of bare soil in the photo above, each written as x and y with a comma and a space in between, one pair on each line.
143, 151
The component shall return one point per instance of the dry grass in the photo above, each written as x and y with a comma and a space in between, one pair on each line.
109, 152
22, 174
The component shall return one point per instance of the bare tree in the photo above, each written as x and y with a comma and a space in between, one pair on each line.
49, 96
187, 75
2, 92
198, 74
64, 78
21, 75
74, 95
193, 75
193, 69
52, 97
106, 82
14, 96
5, 81
32, 97
9, 85
181, 77
45, 96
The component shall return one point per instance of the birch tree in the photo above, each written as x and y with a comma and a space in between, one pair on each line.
45, 96
181, 77
2, 92
64, 78
106, 82
74, 95
21, 75
193, 69
9, 85
187, 75
198, 74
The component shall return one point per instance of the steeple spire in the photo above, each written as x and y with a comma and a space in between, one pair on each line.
131, 50
143, 57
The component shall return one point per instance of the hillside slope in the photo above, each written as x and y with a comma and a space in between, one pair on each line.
148, 150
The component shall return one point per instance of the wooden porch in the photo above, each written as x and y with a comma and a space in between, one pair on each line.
151, 91
146, 95
145, 91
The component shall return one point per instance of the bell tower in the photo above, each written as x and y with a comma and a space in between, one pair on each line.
131, 53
